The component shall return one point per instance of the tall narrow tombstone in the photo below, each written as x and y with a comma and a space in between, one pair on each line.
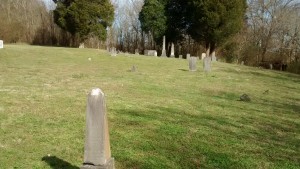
97, 153
188, 56
193, 64
163, 53
1, 44
172, 51
213, 57
207, 64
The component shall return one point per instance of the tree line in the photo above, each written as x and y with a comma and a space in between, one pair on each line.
255, 32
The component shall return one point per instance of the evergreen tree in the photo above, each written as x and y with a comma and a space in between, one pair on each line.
214, 21
176, 22
84, 18
153, 18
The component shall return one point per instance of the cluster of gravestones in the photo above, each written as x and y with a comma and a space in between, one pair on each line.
191, 59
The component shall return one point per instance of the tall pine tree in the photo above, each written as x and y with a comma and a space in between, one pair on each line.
84, 18
214, 21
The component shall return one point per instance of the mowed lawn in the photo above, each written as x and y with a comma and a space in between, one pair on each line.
161, 116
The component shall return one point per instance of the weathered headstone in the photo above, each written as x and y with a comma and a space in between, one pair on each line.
207, 64
150, 52
271, 66
81, 45
133, 68
213, 57
193, 63
113, 51
242, 63
203, 55
163, 53
1, 44
97, 153
136, 51
172, 51
180, 56
188, 56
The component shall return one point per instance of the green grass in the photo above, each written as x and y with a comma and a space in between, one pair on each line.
161, 116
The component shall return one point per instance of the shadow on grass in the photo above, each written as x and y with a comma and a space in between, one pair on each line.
284, 76
273, 137
184, 70
57, 163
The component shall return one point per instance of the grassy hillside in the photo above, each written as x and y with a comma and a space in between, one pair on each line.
161, 116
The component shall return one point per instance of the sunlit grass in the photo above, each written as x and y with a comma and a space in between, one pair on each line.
161, 116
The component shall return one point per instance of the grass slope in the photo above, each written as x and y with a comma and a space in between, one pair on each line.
161, 116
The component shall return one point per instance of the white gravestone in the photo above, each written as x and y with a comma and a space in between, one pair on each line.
97, 153
163, 53
193, 64
172, 51
203, 56
1, 44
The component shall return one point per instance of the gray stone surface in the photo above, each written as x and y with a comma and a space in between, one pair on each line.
188, 56
81, 45
113, 51
108, 165
213, 57
133, 68
163, 52
97, 145
172, 51
1, 44
207, 64
136, 52
180, 56
193, 63
245, 98
150, 52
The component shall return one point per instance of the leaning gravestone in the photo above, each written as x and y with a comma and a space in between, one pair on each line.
207, 64
1, 44
193, 64
97, 153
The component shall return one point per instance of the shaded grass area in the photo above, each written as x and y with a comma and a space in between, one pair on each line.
161, 116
